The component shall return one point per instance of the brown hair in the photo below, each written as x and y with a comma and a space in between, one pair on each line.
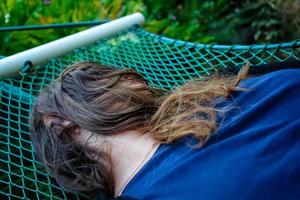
105, 100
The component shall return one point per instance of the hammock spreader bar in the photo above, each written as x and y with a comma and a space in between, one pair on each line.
39, 55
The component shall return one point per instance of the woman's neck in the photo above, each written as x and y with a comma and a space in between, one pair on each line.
130, 151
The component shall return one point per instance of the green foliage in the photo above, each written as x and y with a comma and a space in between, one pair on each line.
207, 21
30, 12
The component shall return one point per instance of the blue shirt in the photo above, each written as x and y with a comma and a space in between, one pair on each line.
255, 153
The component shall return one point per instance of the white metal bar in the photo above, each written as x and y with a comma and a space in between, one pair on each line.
11, 65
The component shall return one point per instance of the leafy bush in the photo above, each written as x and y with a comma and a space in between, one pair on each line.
209, 21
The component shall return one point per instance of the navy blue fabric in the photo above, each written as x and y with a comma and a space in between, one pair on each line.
255, 154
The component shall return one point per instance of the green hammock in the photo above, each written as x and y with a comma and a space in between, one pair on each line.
164, 62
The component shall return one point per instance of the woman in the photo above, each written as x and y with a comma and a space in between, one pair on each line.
104, 130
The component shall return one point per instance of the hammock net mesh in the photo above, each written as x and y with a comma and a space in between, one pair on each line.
164, 62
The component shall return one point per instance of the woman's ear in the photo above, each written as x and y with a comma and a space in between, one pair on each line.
51, 120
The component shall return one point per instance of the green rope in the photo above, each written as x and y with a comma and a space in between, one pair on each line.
52, 26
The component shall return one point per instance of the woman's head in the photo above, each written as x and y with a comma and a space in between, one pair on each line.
92, 97
91, 101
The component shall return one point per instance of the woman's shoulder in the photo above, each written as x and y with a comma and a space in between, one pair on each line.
249, 141
281, 85
272, 100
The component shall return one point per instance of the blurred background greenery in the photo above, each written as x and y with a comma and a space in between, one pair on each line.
206, 21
